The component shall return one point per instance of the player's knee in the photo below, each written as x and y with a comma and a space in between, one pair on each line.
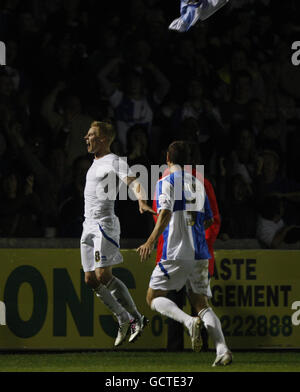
104, 275
90, 280
198, 301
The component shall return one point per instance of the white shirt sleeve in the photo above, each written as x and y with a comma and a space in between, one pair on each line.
267, 229
165, 196
116, 98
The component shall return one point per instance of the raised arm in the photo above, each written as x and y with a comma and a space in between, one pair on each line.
54, 120
162, 83
103, 75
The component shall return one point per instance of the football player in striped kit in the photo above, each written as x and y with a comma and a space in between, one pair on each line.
184, 213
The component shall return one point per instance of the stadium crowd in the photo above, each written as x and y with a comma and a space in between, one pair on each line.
228, 84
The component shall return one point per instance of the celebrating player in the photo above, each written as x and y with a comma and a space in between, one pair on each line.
100, 249
184, 261
211, 233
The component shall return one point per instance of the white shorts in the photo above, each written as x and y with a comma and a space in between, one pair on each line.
174, 274
99, 244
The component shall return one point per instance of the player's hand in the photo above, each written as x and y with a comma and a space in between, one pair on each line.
143, 207
145, 250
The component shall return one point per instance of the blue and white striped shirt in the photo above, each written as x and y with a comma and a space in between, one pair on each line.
192, 11
184, 195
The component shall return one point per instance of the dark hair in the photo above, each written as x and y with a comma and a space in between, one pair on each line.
179, 153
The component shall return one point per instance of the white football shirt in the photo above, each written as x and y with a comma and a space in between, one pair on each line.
102, 185
267, 229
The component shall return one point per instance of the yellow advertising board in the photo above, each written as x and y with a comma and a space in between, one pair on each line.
48, 305
253, 295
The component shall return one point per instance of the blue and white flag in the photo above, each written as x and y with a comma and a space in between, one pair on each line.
191, 11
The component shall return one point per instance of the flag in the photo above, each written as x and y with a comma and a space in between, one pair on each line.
191, 11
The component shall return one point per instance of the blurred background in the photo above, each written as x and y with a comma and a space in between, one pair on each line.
228, 85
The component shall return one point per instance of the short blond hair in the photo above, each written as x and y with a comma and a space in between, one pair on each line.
107, 129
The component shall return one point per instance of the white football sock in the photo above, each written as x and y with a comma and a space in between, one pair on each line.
214, 329
117, 309
122, 294
168, 308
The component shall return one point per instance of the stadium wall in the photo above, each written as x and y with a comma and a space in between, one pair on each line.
49, 307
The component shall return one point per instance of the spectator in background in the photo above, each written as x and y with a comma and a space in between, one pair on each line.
131, 101
45, 164
71, 209
236, 110
184, 64
8, 16
273, 133
5, 116
66, 121
241, 62
20, 207
256, 117
272, 231
108, 48
292, 150
238, 209
155, 31
28, 30
12, 58
197, 106
137, 154
7, 92
243, 156
138, 146
272, 180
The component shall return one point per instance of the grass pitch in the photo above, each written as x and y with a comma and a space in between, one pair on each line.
138, 361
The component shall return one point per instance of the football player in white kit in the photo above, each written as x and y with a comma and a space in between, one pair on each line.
99, 244
184, 214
